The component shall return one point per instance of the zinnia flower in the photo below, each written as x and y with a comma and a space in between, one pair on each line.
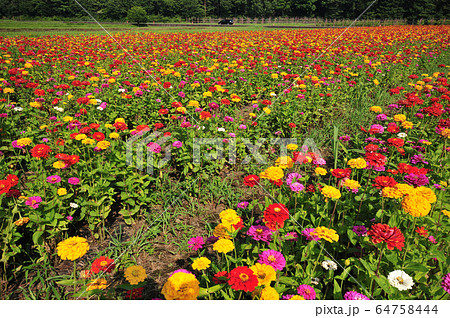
72, 248
306, 292
384, 233
182, 286
416, 205
196, 243
265, 273
352, 295
272, 173
329, 265
330, 192
446, 283
329, 235
260, 233
243, 278
33, 201
275, 215
135, 274
272, 258
400, 280
310, 235
223, 246
201, 263
104, 264
269, 293
99, 283
251, 180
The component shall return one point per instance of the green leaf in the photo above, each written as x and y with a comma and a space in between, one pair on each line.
337, 294
207, 291
70, 282
288, 281
416, 267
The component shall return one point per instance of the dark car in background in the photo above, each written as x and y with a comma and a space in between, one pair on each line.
226, 21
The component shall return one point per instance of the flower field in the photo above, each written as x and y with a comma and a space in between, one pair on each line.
327, 178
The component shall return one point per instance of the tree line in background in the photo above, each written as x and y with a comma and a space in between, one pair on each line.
117, 10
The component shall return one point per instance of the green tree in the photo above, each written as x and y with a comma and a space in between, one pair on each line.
137, 15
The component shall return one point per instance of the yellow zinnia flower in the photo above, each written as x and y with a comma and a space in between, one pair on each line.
223, 246
329, 235
330, 192
182, 286
320, 171
265, 273
358, 163
72, 248
62, 191
284, 162
135, 274
99, 283
269, 293
272, 173
23, 142
201, 263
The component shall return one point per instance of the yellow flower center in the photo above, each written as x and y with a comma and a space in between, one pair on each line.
277, 209
103, 263
400, 280
243, 277
271, 258
259, 231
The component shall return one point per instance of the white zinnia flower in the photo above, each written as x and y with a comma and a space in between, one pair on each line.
121, 90
60, 109
329, 265
400, 280
73, 205
100, 108
221, 129
402, 135
18, 109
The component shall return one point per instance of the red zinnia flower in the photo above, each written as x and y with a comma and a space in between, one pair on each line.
120, 126
99, 136
384, 233
396, 142
5, 185
104, 264
292, 125
371, 147
382, 182
143, 128
39, 92
94, 126
341, 173
275, 215
13, 179
83, 100
83, 111
243, 278
393, 128
251, 180
278, 183
220, 277
375, 159
205, 115
40, 151
422, 231
158, 125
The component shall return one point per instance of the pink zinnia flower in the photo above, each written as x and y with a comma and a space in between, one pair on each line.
352, 295
306, 292
33, 201
154, 147
177, 144
196, 243
260, 233
272, 258
74, 181
54, 179
446, 283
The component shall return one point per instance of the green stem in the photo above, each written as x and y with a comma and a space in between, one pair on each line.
315, 263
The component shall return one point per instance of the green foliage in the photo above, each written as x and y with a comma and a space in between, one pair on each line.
137, 15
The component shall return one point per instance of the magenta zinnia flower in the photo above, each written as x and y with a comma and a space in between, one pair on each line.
154, 147
416, 180
297, 187
446, 283
292, 178
306, 292
54, 179
74, 181
352, 295
196, 243
272, 258
33, 201
310, 237
260, 233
